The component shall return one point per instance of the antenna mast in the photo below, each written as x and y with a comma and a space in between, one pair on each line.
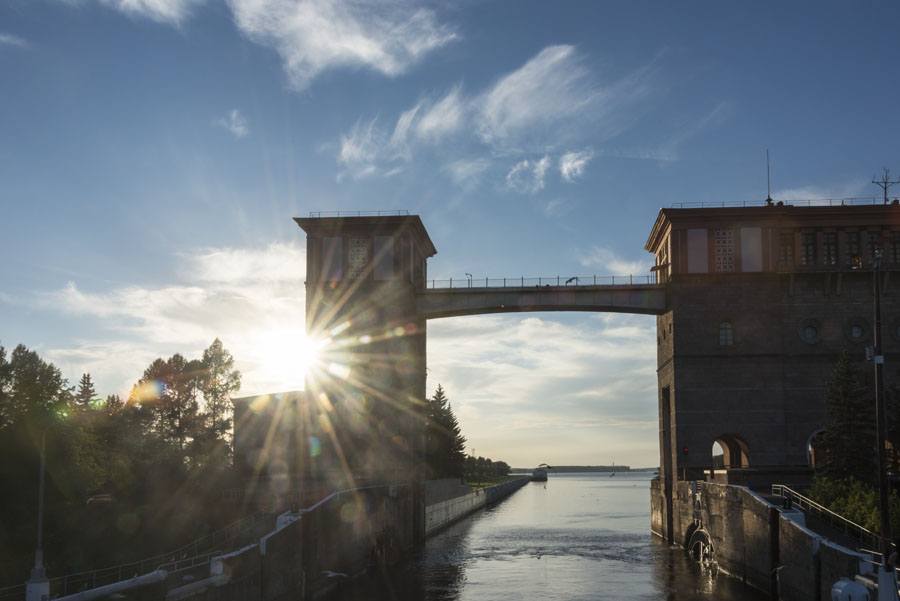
885, 182
768, 180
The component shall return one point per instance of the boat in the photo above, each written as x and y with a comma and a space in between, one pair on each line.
539, 474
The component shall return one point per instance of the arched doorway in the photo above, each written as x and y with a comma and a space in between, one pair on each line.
814, 448
730, 451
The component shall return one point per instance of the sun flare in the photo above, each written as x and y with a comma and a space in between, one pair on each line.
286, 356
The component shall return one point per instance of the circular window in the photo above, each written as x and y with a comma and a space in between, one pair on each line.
857, 329
809, 331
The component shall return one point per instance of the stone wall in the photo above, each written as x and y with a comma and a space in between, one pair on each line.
443, 513
758, 543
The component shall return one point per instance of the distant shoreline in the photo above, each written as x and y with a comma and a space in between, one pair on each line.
566, 469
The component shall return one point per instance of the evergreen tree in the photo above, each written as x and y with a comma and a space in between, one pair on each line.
113, 403
445, 444
218, 381
168, 389
848, 443
86, 393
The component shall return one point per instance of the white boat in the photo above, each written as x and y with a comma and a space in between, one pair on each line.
539, 474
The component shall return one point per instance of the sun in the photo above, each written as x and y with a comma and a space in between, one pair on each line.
286, 356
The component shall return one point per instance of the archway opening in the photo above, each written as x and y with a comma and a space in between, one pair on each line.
730, 451
814, 448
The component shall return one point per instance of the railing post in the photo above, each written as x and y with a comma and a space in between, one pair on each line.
504, 282
485, 282
631, 279
451, 282
595, 280
523, 281
557, 280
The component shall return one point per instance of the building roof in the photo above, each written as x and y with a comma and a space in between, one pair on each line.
785, 215
383, 223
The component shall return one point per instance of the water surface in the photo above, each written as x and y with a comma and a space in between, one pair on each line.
580, 536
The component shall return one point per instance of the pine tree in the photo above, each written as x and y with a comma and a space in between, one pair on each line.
86, 393
848, 442
445, 451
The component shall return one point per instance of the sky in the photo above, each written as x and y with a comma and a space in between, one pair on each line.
153, 153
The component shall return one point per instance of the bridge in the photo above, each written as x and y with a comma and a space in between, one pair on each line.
613, 294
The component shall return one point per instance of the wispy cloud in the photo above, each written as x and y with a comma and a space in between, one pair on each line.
572, 164
172, 12
549, 101
235, 123
8, 39
312, 36
466, 173
609, 263
528, 175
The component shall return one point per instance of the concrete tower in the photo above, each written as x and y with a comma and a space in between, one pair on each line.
362, 277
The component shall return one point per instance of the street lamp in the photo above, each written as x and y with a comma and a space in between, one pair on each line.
38, 587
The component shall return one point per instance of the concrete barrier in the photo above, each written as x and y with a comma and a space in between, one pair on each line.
443, 513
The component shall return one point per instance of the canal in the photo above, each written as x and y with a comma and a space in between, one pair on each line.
582, 536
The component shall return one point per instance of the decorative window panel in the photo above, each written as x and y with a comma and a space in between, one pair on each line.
873, 244
358, 257
895, 248
853, 253
830, 248
786, 250
808, 248
723, 240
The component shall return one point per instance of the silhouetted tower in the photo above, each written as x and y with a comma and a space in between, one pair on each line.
362, 275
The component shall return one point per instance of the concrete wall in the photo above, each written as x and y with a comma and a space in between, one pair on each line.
443, 513
757, 543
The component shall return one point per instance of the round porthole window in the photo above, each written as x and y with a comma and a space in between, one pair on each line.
856, 331
809, 331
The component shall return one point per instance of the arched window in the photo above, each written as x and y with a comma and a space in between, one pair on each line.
730, 451
726, 334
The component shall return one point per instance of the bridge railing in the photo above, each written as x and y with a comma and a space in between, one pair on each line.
805, 202
391, 213
792, 498
542, 281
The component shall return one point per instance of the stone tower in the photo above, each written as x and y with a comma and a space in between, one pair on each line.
362, 277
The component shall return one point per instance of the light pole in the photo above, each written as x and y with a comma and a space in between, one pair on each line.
38, 587
887, 582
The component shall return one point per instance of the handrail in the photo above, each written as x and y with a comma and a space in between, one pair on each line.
542, 281
391, 213
850, 527
807, 202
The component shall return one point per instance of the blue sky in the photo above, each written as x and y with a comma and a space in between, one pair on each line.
152, 153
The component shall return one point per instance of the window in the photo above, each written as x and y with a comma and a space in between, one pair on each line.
358, 257
808, 243
853, 253
873, 243
894, 256
384, 257
830, 248
723, 240
332, 259
786, 250
726, 334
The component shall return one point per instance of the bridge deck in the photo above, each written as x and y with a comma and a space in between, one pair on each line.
643, 299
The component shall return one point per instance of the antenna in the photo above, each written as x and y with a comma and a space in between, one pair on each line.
885, 182
768, 180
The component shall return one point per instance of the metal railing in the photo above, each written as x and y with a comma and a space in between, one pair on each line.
808, 202
542, 282
794, 499
391, 213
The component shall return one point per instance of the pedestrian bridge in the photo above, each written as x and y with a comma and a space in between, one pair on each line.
614, 294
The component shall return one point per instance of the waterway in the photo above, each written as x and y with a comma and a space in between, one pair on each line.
579, 537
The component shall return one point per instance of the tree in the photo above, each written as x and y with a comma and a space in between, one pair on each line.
86, 392
30, 388
168, 389
445, 444
218, 381
849, 441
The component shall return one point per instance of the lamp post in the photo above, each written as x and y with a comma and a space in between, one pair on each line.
38, 587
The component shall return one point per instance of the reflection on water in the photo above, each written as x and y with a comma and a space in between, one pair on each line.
582, 536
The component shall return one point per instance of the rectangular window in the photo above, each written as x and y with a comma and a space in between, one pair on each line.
895, 248
873, 243
786, 250
829, 248
698, 251
853, 250
808, 249
751, 249
723, 240
384, 257
358, 257
332, 259
412, 262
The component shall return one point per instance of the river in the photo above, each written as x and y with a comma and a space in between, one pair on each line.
580, 536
